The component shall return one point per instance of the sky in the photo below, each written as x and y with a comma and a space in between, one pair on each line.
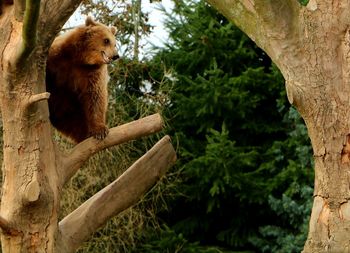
158, 35
156, 19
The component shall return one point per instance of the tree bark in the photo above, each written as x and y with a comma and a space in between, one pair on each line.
116, 197
34, 170
311, 47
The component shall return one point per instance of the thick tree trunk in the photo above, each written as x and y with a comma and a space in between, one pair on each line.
318, 84
30, 192
30, 187
311, 46
34, 170
327, 117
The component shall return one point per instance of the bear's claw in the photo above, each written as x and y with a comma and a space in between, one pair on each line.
100, 134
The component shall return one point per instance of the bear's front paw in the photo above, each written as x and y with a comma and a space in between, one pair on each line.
99, 133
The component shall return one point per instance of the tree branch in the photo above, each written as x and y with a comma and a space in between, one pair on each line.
29, 31
116, 197
260, 19
36, 98
117, 135
53, 15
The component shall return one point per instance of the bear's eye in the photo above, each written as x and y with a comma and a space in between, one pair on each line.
106, 41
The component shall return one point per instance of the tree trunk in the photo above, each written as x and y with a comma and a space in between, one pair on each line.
30, 190
311, 47
34, 170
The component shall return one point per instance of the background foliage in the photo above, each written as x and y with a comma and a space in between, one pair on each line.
243, 180
244, 155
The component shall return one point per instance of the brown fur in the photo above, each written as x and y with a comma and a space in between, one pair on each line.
77, 77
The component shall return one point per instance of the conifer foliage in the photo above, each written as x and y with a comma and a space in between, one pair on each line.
244, 155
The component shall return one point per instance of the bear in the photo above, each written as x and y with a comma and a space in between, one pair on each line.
77, 78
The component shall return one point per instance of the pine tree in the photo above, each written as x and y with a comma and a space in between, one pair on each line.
242, 149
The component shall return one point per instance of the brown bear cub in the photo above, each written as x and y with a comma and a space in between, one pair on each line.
77, 77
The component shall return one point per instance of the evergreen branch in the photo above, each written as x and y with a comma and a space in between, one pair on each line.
117, 135
124, 192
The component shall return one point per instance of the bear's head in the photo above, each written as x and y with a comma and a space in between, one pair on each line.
99, 44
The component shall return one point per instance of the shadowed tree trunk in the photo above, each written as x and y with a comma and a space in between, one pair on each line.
34, 169
311, 46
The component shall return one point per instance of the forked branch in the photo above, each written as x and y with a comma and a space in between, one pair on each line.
116, 197
117, 135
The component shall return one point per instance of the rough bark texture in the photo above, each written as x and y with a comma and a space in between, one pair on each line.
311, 47
34, 170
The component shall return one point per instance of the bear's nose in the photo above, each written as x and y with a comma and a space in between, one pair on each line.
115, 57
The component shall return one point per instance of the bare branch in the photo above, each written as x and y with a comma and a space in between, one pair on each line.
53, 15
116, 197
258, 18
117, 135
36, 98
29, 31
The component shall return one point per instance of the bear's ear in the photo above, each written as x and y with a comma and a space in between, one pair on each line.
90, 21
113, 30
